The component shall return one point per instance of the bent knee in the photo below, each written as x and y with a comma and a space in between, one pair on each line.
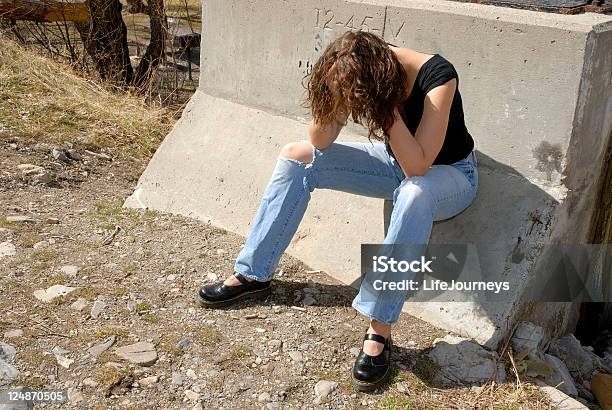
300, 151
413, 191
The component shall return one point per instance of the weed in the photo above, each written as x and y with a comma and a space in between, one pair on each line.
85, 292
45, 255
39, 268
29, 240
129, 268
206, 334
240, 352
150, 318
143, 307
395, 402
120, 291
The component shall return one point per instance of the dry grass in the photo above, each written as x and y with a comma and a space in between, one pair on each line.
497, 397
190, 11
43, 100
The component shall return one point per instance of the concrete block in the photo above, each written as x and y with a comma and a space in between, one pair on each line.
537, 96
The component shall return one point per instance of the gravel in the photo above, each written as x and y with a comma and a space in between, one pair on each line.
145, 276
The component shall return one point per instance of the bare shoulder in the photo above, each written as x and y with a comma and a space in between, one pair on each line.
411, 59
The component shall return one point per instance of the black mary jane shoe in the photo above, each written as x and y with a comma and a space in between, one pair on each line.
371, 372
219, 295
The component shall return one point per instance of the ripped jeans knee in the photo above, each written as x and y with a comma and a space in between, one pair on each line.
302, 152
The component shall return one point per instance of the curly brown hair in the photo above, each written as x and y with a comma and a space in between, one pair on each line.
367, 82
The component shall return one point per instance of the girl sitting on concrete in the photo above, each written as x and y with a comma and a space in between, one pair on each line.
407, 100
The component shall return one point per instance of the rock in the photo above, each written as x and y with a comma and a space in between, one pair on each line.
529, 338
477, 389
100, 155
20, 391
7, 352
7, 249
601, 386
309, 301
212, 277
75, 396
70, 270
354, 351
59, 350
323, 388
89, 382
183, 343
97, 308
561, 379
275, 344
603, 344
584, 394
63, 361
43, 178
558, 399
7, 371
51, 293
580, 363
296, 356
79, 304
60, 155
13, 333
41, 245
52, 221
20, 219
264, 397
177, 379
29, 169
98, 349
115, 365
192, 396
131, 305
73, 154
311, 291
464, 361
191, 374
35, 173
141, 353
148, 381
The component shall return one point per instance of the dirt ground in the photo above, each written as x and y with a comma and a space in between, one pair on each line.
144, 268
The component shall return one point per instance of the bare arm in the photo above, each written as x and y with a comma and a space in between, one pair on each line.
322, 136
415, 154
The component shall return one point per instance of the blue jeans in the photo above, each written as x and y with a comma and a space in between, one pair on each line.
364, 169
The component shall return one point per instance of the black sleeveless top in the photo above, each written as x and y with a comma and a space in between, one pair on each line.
458, 142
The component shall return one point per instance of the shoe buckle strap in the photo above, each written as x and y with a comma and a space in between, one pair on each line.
241, 278
375, 337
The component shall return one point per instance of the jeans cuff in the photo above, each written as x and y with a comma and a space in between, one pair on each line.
254, 277
356, 306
